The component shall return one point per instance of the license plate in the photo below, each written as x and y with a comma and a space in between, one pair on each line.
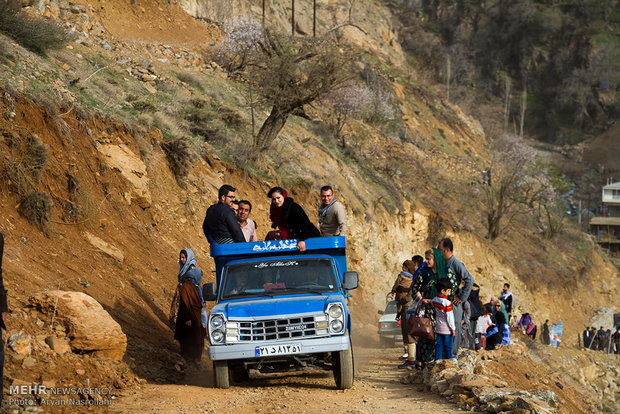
398, 337
283, 349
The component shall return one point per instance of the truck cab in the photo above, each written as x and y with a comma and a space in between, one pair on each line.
279, 309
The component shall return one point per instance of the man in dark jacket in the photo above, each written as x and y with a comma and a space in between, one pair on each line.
462, 275
4, 309
220, 224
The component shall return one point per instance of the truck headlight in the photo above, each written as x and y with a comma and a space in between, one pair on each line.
336, 325
217, 322
217, 336
335, 311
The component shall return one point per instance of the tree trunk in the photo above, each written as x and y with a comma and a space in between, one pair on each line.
507, 97
269, 130
523, 105
448, 70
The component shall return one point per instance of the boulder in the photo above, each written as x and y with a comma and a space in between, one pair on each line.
90, 328
131, 168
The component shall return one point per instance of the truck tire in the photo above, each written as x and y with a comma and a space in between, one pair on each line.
220, 374
343, 368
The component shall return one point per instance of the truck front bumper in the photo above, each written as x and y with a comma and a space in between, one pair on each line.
308, 346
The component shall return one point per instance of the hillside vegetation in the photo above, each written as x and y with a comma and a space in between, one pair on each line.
127, 131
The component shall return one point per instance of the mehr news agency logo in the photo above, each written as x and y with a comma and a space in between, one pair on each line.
39, 394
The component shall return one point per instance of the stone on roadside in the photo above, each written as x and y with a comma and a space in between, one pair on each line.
90, 327
20, 343
59, 345
29, 362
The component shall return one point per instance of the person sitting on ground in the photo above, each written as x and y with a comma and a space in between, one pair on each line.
248, 226
188, 315
220, 224
494, 301
492, 333
332, 217
502, 323
290, 218
402, 295
506, 298
445, 327
528, 326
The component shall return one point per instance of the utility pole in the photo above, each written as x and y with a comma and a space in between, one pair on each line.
263, 13
292, 17
314, 18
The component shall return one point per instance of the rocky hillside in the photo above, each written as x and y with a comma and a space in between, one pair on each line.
100, 109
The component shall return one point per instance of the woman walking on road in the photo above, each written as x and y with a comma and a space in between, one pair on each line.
187, 313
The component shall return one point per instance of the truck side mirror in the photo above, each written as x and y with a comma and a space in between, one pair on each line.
349, 281
380, 312
208, 292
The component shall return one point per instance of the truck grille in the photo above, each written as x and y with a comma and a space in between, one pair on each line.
266, 330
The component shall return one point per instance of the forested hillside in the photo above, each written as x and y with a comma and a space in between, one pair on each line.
549, 67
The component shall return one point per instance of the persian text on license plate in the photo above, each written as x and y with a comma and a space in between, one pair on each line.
283, 349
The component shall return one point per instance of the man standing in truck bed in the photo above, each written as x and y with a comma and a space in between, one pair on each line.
332, 217
220, 224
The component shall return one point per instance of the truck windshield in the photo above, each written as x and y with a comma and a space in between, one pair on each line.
279, 277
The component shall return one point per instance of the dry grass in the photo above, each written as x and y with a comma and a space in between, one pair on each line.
33, 33
23, 167
179, 155
37, 209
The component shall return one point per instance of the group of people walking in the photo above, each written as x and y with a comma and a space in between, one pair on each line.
602, 340
227, 221
436, 286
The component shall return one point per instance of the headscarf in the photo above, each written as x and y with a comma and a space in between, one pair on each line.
410, 266
191, 260
440, 263
185, 271
276, 214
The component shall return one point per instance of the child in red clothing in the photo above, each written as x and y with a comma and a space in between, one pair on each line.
445, 328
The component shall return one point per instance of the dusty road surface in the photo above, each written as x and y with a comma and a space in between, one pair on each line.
377, 390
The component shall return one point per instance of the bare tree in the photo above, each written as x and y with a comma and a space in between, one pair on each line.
519, 184
351, 101
288, 72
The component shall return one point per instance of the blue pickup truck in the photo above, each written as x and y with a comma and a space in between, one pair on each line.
279, 309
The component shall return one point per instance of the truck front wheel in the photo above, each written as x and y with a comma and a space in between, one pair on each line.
220, 372
343, 368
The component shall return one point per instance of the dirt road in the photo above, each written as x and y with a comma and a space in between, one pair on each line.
377, 390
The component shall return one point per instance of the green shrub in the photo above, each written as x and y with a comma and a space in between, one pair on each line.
32, 33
